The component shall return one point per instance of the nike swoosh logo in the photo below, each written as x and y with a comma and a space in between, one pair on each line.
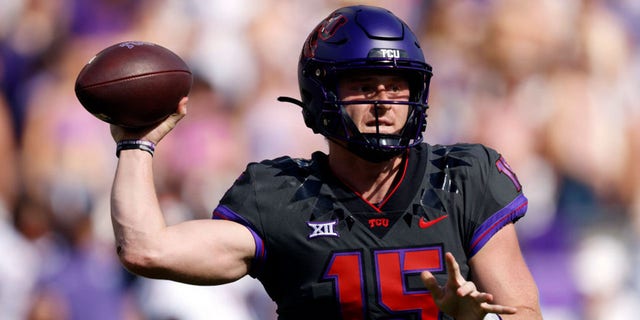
423, 223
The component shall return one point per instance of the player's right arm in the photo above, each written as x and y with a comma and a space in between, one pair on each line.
196, 252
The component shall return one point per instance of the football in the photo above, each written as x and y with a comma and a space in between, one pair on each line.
133, 84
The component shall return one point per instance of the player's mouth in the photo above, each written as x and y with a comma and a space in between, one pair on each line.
382, 122
383, 125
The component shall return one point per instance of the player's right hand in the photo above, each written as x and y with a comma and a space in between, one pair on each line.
154, 133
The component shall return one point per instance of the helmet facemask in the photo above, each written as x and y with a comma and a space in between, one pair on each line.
378, 146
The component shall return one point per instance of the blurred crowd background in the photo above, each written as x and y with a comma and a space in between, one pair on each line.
553, 85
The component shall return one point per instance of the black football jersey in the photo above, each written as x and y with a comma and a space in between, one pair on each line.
323, 252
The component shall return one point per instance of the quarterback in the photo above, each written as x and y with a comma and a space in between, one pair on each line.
383, 226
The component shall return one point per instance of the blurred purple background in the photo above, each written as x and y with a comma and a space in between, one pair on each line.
553, 85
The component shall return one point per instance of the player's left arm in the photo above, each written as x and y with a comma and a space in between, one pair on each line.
499, 268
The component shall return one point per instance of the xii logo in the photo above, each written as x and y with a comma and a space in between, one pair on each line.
323, 229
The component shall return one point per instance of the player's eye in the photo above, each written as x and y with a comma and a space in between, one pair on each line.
367, 89
397, 90
363, 89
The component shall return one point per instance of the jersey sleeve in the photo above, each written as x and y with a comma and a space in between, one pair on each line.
497, 198
239, 204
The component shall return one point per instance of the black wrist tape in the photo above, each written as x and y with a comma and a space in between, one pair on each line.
145, 145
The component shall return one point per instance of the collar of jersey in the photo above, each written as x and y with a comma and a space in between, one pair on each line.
398, 200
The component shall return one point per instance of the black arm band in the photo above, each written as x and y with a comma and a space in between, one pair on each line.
145, 145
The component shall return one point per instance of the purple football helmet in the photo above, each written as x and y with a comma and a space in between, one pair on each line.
361, 38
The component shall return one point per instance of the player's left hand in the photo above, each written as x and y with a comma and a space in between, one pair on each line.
460, 298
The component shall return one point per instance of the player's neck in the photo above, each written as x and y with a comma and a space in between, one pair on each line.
371, 180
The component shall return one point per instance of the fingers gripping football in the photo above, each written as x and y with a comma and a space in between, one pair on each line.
154, 133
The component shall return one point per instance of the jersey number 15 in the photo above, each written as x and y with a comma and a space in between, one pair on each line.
391, 268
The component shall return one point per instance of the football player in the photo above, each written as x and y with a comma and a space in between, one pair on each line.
384, 226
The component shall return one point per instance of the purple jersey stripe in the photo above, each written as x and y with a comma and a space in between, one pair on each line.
224, 213
510, 213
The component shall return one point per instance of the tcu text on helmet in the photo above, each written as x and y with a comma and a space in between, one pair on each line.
387, 53
390, 53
